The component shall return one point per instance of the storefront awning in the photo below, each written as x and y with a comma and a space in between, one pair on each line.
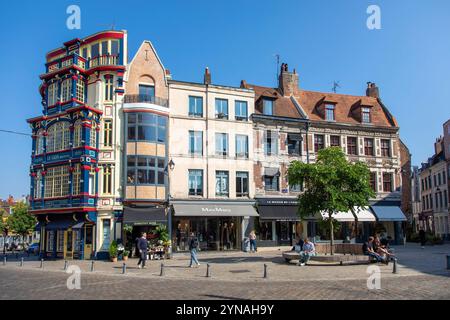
280, 213
214, 209
271, 172
388, 213
60, 224
144, 216
363, 215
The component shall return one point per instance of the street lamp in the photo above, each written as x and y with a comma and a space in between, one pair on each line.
170, 167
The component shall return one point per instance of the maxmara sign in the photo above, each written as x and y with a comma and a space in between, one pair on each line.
216, 209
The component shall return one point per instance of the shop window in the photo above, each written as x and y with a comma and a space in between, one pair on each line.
266, 230
50, 241
106, 236
59, 240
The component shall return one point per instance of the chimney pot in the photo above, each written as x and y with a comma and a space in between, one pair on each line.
372, 90
207, 76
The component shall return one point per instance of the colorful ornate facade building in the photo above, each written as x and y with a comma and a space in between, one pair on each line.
76, 153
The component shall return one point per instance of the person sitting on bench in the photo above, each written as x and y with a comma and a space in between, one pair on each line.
309, 250
369, 251
298, 245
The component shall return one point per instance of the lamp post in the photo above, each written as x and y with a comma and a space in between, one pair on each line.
169, 168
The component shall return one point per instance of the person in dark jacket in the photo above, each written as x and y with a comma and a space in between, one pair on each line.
143, 250
422, 237
193, 247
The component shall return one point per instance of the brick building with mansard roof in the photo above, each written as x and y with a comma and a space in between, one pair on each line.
294, 124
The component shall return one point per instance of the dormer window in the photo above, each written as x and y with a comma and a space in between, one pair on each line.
268, 107
329, 112
365, 115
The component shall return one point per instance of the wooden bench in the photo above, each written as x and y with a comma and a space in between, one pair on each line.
343, 252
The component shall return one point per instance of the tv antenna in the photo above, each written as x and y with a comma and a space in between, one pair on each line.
335, 86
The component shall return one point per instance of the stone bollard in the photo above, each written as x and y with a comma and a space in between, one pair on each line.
448, 262
394, 268
92, 266
4, 260
42, 263
21, 262
266, 275
208, 272
65, 265
162, 270
124, 268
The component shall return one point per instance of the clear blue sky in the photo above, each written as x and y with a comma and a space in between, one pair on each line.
326, 41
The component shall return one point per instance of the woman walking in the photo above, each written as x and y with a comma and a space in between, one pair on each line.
252, 237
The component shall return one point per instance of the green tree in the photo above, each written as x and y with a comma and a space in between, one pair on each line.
332, 185
20, 221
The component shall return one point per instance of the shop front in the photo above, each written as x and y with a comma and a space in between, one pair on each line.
390, 222
67, 237
278, 223
218, 225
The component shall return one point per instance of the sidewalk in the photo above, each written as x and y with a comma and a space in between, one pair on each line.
242, 266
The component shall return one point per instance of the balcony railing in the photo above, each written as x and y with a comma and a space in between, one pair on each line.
104, 60
74, 59
145, 98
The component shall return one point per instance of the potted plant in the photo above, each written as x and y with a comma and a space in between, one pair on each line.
113, 251
125, 255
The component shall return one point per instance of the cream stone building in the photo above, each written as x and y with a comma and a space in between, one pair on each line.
211, 151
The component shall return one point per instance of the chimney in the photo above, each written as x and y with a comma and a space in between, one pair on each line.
244, 84
207, 77
372, 90
288, 81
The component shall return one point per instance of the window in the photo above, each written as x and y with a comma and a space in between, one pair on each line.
95, 50
37, 186
445, 199
335, 141
92, 182
241, 110
50, 240
196, 182
196, 143
39, 148
195, 106
107, 177
84, 53
319, 142
76, 180
268, 107
115, 47
107, 133
373, 181
145, 170
77, 134
242, 184
365, 115
221, 108
439, 178
106, 236
58, 136
221, 144
109, 83
57, 182
146, 93
146, 127
241, 146
271, 183
387, 182
329, 112
293, 142
271, 143
52, 94
105, 48
222, 183
93, 135
368, 147
296, 187
352, 148
59, 240
385, 148
80, 90
66, 90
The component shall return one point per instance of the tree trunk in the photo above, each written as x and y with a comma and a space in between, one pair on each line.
331, 235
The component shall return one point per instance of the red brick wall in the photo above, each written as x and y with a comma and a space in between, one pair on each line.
257, 172
405, 161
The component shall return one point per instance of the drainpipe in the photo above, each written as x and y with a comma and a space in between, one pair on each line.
307, 143
206, 139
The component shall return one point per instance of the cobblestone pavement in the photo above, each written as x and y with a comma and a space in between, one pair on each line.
421, 274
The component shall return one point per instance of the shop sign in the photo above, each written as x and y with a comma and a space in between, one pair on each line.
216, 209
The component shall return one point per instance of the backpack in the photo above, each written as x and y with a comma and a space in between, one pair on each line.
194, 243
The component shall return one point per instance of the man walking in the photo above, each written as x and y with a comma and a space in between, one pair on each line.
422, 237
193, 246
143, 250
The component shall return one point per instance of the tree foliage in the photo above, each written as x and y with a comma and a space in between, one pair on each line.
21, 222
332, 185
3, 223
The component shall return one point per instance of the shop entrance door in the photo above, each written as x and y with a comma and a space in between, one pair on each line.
284, 232
88, 242
68, 244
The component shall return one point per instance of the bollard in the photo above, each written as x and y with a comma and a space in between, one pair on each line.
162, 270
124, 268
394, 268
65, 265
42, 263
265, 271
448, 262
208, 272
21, 262
4, 260
92, 266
